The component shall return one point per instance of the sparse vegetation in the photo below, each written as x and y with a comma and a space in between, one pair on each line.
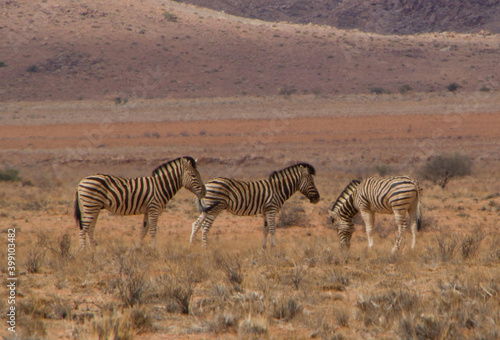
285, 308
238, 289
453, 87
170, 17
287, 90
9, 175
119, 100
404, 89
441, 169
379, 90
383, 169
305, 287
292, 216
33, 69
37, 255
470, 244
132, 283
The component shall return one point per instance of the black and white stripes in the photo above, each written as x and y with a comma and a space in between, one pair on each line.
398, 195
132, 196
264, 197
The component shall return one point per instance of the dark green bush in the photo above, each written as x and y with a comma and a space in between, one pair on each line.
453, 87
9, 175
379, 90
33, 69
405, 89
440, 169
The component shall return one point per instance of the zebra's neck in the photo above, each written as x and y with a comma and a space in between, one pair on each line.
285, 186
169, 180
344, 206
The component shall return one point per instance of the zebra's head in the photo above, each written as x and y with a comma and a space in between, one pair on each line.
306, 185
342, 213
344, 228
191, 179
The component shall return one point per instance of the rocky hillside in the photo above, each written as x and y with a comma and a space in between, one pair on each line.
378, 16
134, 49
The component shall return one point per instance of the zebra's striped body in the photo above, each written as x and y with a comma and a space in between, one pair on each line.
398, 195
133, 196
264, 197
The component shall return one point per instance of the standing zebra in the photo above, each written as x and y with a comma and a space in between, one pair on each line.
133, 196
251, 198
398, 195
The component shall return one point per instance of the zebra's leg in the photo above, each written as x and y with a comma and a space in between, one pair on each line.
369, 219
269, 227
413, 224
207, 222
196, 226
89, 220
265, 232
400, 216
152, 223
144, 230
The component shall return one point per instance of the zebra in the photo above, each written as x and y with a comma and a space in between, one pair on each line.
264, 197
398, 195
133, 196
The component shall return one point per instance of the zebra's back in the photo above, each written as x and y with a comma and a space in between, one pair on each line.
239, 197
383, 195
124, 196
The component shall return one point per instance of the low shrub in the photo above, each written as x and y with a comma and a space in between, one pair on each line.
441, 169
9, 175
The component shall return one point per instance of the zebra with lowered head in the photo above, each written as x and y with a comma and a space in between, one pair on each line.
264, 197
134, 196
398, 195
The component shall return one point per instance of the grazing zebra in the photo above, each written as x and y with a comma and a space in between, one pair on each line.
133, 196
396, 195
264, 197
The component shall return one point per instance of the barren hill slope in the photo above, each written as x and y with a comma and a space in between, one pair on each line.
378, 16
57, 50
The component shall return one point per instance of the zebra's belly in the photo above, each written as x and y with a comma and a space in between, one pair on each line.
124, 209
384, 211
244, 210
376, 208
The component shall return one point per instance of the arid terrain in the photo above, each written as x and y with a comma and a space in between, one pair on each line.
59, 50
376, 16
305, 287
121, 87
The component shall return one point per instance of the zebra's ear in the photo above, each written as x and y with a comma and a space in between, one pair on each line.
191, 161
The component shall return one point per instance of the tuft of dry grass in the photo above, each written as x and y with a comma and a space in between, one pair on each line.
285, 308
253, 327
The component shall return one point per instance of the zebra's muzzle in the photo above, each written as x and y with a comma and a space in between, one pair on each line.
314, 199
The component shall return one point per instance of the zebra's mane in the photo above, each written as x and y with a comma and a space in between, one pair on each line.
309, 168
160, 167
348, 191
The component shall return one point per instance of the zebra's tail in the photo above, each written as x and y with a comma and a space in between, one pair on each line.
418, 215
202, 208
78, 211
199, 205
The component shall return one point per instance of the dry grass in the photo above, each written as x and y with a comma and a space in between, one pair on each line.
240, 290
305, 287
